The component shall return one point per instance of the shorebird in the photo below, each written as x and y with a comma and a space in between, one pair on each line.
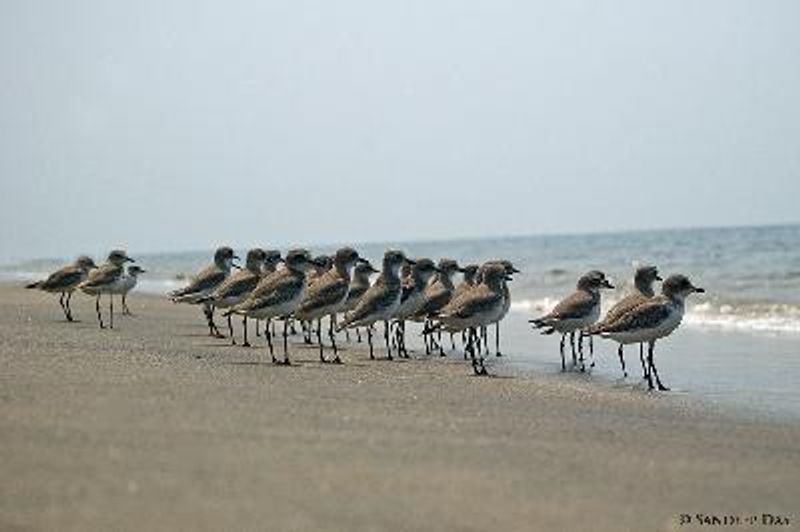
652, 320
574, 313
105, 279
65, 280
478, 307
380, 302
278, 296
128, 283
412, 298
437, 294
272, 258
359, 285
643, 280
319, 265
205, 282
510, 270
326, 296
236, 287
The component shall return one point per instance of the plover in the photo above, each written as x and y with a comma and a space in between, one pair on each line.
359, 285
643, 280
205, 282
574, 313
412, 297
478, 307
510, 270
380, 302
437, 295
652, 320
127, 284
327, 295
278, 296
105, 279
319, 265
65, 280
272, 258
234, 289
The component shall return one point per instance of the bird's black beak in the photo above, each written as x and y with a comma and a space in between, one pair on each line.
508, 278
607, 284
128, 259
280, 260
362, 260
699, 290
514, 270
410, 262
658, 278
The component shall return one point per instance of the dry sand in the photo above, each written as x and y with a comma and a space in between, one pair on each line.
155, 426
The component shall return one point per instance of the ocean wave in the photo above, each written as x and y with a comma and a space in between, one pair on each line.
757, 317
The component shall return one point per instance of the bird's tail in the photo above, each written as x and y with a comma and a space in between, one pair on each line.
431, 327
37, 284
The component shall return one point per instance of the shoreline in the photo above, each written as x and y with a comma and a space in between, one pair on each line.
155, 425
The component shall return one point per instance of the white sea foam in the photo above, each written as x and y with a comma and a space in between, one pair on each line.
774, 318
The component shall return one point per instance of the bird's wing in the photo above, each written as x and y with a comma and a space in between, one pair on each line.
645, 316
376, 297
276, 290
577, 305
236, 285
203, 281
63, 278
466, 307
436, 297
326, 291
103, 275
623, 306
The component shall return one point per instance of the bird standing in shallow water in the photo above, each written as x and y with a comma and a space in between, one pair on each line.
652, 320
574, 313
643, 281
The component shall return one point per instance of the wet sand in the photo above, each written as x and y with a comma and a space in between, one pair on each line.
155, 426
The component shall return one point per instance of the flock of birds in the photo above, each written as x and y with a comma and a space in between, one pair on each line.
299, 288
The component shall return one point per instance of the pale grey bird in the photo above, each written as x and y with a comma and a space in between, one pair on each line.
412, 297
128, 283
574, 313
380, 302
654, 319
510, 270
205, 282
106, 279
64, 281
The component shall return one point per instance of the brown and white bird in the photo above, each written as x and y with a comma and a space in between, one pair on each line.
277, 296
510, 271
235, 289
327, 295
654, 319
574, 313
64, 281
106, 279
206, 282
643, 280
359, 285
412, 298
437, 294
380, 302
128, 283
478, 307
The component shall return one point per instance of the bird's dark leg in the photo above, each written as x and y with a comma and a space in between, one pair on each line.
258, 328
99, 315
622, 362
574, 353
358, 335
426, 337
650, 346
110, 310
319, 340
439, 341
306, 325
269, 344
332, 336
654, 371
285, 340
485, 339
563, 359
68, 304
347, 335
125, 310
230, 330
369, 340
580, 351
645, 372
497, 340
452, 341
386, 338
246, 342
292, 328
63, 304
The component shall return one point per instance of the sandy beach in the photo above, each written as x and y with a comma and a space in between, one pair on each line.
155, 426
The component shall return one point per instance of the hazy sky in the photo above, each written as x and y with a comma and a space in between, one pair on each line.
159, 125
